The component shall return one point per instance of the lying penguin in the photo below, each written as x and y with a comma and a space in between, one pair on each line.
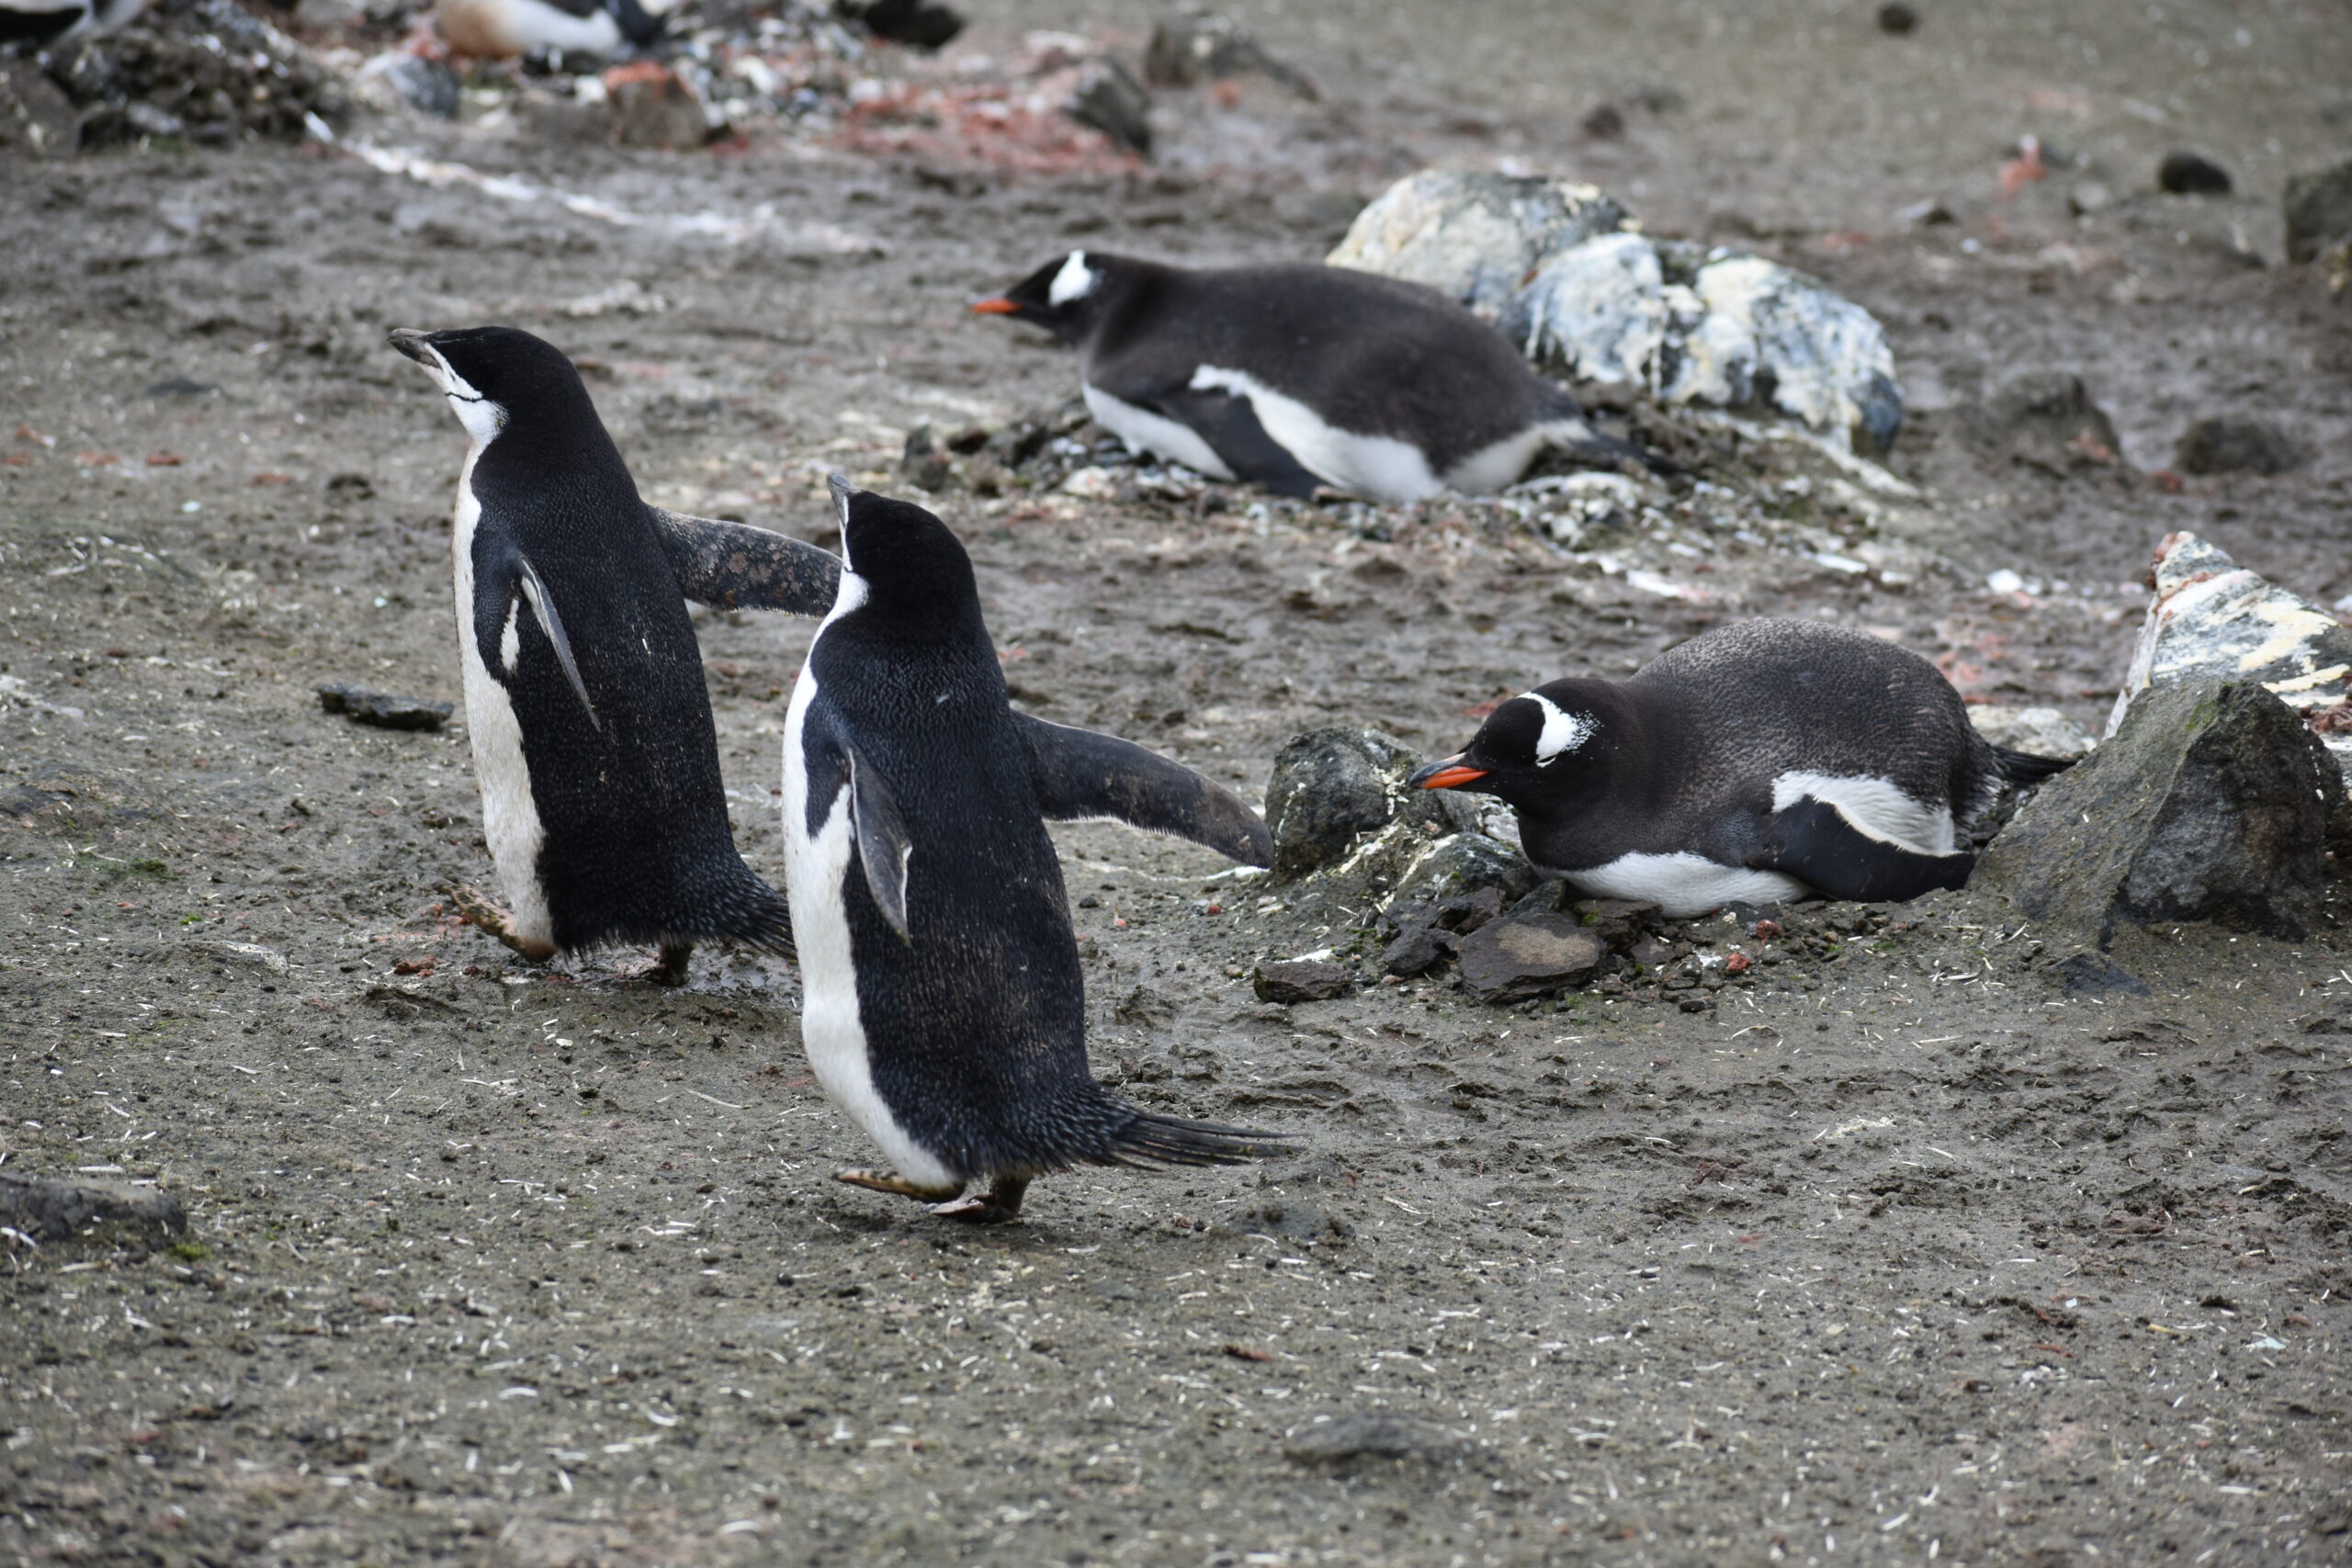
45, 22
1293, 375
945, 1007
1769, 759
592, 733
503, 29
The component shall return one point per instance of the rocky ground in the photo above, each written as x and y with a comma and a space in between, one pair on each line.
1892, 1248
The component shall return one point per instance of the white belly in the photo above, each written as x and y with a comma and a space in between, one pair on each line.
1491, 468
1683, 885
1145, 431
510, 818
831, 1031
501, 28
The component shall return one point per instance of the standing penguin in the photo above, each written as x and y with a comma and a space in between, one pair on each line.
944, 1008
1766, 759
1293, 375
592, 732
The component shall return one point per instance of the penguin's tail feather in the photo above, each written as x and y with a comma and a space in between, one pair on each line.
2025, 768
749, 913
1150, 1140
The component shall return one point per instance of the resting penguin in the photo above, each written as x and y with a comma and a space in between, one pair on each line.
943, 1006
1764, 761
45, 22
592, 731
501, 29
1293, 375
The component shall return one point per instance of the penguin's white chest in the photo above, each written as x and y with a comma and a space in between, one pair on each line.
510, 817
817, 867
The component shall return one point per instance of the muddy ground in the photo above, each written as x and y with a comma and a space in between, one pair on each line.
1899, 1253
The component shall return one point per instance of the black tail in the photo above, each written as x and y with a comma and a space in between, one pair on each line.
1150, 1140
748, 913
2025, 768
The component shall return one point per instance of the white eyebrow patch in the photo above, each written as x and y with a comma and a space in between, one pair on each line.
1563, 730
1075, 279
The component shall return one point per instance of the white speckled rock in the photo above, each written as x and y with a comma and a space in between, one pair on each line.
2215, 619
2038, 732
1693, 326
1473, 233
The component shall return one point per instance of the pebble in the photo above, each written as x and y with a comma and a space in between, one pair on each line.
2190, 174
2235, 444
59, 1211
1302, 980
2318, 208
1523, 956
1375, 1436
381, 709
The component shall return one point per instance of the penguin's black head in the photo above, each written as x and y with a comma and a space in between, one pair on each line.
1065, 296
1536, 748
903, 569
492, 374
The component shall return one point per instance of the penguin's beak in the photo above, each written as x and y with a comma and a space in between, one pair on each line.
1447, 775
411, 342
996, 307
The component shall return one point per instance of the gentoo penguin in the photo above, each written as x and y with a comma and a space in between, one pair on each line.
1293, 375
1764, 761
502, 30
592, 732
943, 1008
45, 22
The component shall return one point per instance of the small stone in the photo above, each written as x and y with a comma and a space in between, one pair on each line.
1898, 19
1109, 98
1524, 957
428, 87
251, 953
2235, 444
655, 106
2319, 211
2189, 173
60, 1210
1616, 921
1460, 862
2039, 732
1302, 980
2210, 802
1203, 45
381, 709
923, 463
36, 117
1378, 1435
1332, 787
2046, 418
1418, 950
2088, 198
1465, 913
1605, 124
919, 24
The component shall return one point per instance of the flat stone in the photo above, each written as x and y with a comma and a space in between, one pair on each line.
2318, 208
2235, 444
1109, 98
58, 1210
2038, 732
381, 709
2210, 802
1302, 980
1418, 950
1616, 921
1524, 957
251, 953
1375, 1436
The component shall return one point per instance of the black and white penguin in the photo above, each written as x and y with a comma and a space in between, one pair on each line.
44, 22
943, 1006
1292, 376
591, 727
1766, 760
503, 29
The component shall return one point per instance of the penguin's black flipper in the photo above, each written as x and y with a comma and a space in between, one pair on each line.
1079, 775
1814, 842
733, 566
1231, 427
883, 844
502, 579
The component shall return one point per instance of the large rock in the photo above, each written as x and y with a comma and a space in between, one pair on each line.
1522, 956
1332, 788
1473, 233
2215, 620
1688, 324
2211, 803
51, 1211
2319, 211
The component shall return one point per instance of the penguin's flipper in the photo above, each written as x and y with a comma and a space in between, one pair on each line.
1231, 427
1079, 775
542, 602
1815, 843
882, 841
733, 566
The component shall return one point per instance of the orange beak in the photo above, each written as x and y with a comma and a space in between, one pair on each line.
1448, 777
994, 308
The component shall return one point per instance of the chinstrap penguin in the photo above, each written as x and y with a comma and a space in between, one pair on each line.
1293, 376
592, 740
945, 1005
1769, 759
503, 29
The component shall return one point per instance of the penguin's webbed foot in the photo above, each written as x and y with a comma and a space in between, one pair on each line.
668, 968
488, 918
898, 1186
1001, 1205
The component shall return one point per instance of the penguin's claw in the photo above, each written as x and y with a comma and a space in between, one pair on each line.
898, 1186
1001, 1205
488, 918
668, 968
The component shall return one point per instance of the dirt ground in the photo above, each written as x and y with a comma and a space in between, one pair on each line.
1900, 1253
